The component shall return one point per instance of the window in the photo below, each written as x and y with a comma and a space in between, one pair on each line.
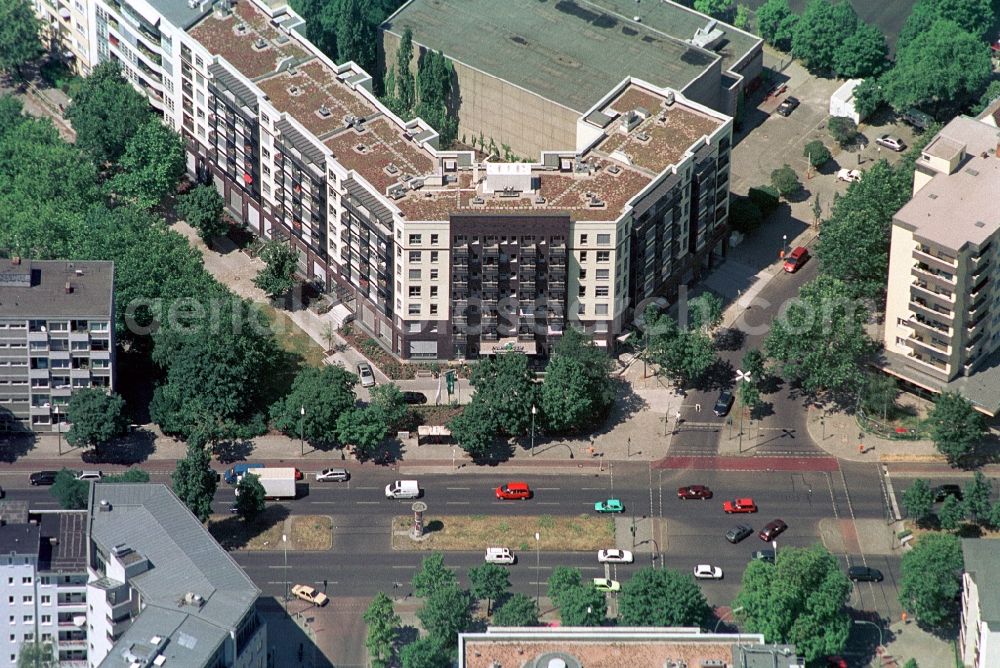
602, 291
603, 239
434, 291
28, 619
583, 291
434, 256
602, 274
414, 239
583, 274
603, 256
26, 580
414, 309
583, 239
27, 599
434, 240
414, 274
583, 256
414, 290
434, 309
46, 600
434, 274
414, 256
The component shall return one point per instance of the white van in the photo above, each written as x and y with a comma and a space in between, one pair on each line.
499, 555
402, 489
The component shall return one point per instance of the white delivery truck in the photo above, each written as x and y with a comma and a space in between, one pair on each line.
279, 483
402, 489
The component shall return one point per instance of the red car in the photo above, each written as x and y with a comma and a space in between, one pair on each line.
795, 259
772, 530
740, 506
694, 492
514, 490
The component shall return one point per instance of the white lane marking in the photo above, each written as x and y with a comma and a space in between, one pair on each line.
456, 503
403, 567
367, 502
459, 488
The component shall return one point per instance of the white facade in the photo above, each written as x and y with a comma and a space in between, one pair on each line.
842, 101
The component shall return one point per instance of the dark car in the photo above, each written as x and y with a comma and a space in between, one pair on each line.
415, 397
763, 555
788, 106
694, 492
772, 530
942, 492
43, 478
864, 574
723, 403
738, 533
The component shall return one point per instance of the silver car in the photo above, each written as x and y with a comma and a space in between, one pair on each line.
332, 475
366, 375
892, 143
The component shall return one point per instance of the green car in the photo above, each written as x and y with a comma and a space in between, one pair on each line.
609, 506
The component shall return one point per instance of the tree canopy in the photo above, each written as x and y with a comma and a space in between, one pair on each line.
363, 428
106, 113
382, 622
194, 481
918, 500
95, 417
776, 23
446, 613
325, 393
36, 654
151, 166
682, 354
250, 497
582, 606
931, 579
72, 494
19, 35
862, 54
662, 597
489, 581
433, 575
956, 427
820, 31
202, 207
518, 610
278, 274
578, 390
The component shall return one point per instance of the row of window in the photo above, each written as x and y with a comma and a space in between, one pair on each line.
602, 239
602, 256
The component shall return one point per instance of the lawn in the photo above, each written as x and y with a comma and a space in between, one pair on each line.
477, 532
305, 532
292, 339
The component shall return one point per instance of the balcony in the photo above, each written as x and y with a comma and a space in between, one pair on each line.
936, 259
930, 362
934, 311
978, 289
976, 340
934, 276
932, 343
929, 327
946, 297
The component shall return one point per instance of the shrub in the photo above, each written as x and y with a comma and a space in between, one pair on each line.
817, 153
843, 130
765, 198
744, 215
785, 181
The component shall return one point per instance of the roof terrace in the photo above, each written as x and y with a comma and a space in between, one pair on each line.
380, 153
312, 94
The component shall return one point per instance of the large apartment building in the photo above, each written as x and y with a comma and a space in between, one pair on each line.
979, 632
57, 335
942, 323
43, 582
438, 254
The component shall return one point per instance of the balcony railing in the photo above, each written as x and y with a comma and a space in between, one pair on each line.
933, 344
925, 253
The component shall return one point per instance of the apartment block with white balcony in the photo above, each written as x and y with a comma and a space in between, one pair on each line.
979, 632
942, 328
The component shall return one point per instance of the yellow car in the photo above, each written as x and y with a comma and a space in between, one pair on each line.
307, 593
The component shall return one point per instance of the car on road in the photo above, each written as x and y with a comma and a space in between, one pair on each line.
311, 594
772, 530
694, 492
514, 490
609, 506
739, 506
414, 398
795, 259
738, 533
89, 476
499, 555
864, 574
43, 477
789, 105
614, 556
723, 403
763, 555
333, 475
707, 572
892, 143
366, 375
606, 584
942, 492
849, 175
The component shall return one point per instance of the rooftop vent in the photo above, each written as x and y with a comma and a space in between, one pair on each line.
416, 184
105, 505
642, 136
79, 272
121, 549
159, 660
348, 121
292, 71
260, 43
707, 37
614, 169
980, 223
324, 111
69, 288
397, 192
294, 91
595, 201
361, 148
971, 172
478, 200
539, 200
192, 598
241, 28
391, 169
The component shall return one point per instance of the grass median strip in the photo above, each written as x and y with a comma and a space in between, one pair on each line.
477, 532
304, 532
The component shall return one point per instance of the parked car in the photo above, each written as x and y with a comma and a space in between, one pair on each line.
514, 490
707, 572
795, 259
864, 574
606, 585
609, 506
917, 119
333, 475
772, 530
738, 533
723, 403
788, 106
414, 397
43, 477
90, 476
694, 492
614, 556
892, 143
763, 555
740, 506
307, 593
942, 492
499, 555
849, 175
366, 375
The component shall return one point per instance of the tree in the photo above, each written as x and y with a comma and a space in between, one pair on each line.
106, 113
151, 166
956, 427
753, 364
364, 428
518, 610
744, 215
785, 180
821, 341
742, 19
131, 475
862, 54
943, 67
278, 275
202, 207
446, 613
95, 417
582, 606
489, 581
19, 33
776, 23
404, 77
843, 130
578, 389
563, 579
931, 579
326, 393
434, 87
878, 393
952, 513
800, 600
817, 153
37, 655
977, 498
426, 652
993, 519
72, 494
354, 35
704, 312
662, 597
820, 31
991, 93
719, 9
382, 622
474, 429
868, 97
974, 16
433, 575
918, 500
194, 480
388, 400
506, 386
249, 497
910, 663
680, 354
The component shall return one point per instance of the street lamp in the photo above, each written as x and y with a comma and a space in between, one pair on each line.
55, 409
302, 428
784, 245
284, 543
741, 377
538, 585
534, 411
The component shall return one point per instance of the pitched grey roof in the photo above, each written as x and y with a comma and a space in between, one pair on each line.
982, 563
184, 641
37, 289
